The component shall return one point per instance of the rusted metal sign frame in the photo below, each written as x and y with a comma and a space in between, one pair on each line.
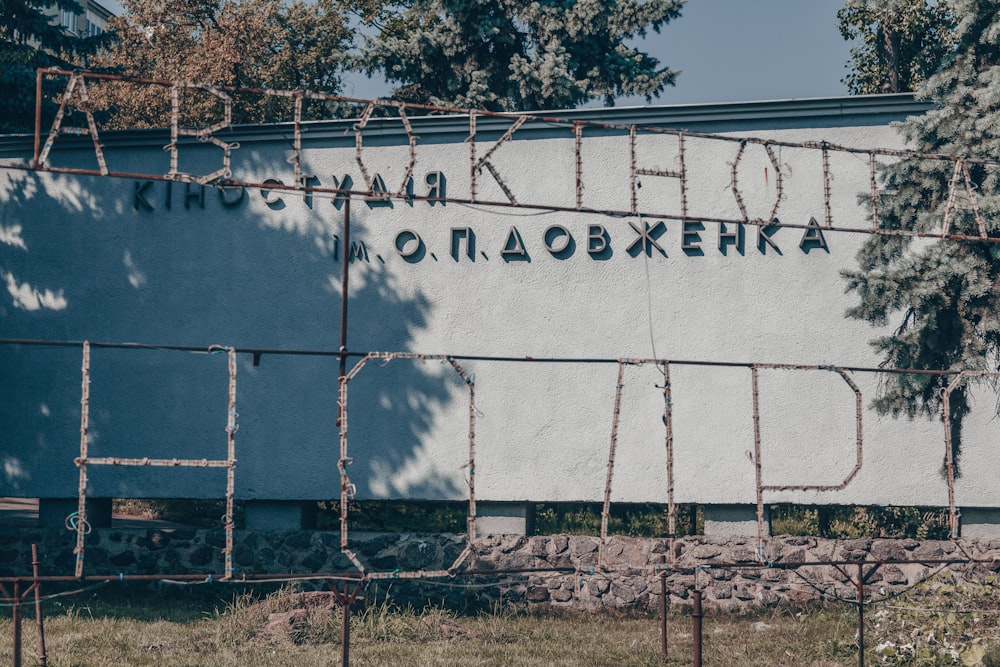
375, 189
78, 521
347, 489
16, 600
83, 528
669, 446
761, 488
758, 464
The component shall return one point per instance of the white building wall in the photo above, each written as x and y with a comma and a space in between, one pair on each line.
86, 258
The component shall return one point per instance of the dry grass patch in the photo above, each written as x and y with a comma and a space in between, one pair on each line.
116, 627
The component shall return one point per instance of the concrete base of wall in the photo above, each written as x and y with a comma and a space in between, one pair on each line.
733, 520
279, 515
632, 579
53, 512
505, 518
980, 524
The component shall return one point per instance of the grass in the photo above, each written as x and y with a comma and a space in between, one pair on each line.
205, 625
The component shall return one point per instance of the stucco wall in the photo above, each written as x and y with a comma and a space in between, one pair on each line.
121, 260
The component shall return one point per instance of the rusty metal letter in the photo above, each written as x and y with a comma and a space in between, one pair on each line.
636, 171
205, 134
484, 161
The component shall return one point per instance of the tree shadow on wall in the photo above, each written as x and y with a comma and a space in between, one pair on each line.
118, 260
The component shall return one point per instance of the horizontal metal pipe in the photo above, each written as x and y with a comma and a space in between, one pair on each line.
481, 357
444, 574
611, 213
162, 463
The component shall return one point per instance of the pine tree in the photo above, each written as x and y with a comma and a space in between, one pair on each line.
31, 37
898, 43
942, 297
515, 55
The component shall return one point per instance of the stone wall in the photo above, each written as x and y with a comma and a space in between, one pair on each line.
628, 580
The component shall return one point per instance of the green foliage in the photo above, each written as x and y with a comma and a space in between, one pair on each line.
396, 516
382, 620
849, 522
630, 519
898, 43
633, 520
31, 37
940, 298
246, 43
515, 55
206, 513
939, 623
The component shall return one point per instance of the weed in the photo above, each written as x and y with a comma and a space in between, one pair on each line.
100, 633
940, 624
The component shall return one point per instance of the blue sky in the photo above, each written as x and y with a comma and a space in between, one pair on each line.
737, 50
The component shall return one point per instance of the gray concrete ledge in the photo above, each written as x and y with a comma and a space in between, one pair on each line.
494, 518
733, 520
979, 523
279, 515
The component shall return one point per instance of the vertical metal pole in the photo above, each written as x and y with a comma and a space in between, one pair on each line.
471, 519
17, 623
861, 617
606, 509
345, 599
81, 510
38, 115
668, 422
663, 606
345, 635
38, 607
231, 428
342, 373
696, 617
758, 472
345, 263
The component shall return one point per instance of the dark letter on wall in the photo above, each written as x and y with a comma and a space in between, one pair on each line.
730, 238
598, 242
691, 239
346, 183
559, 249
764, 239
410, 238
437, 186
139, 192
513, 248
459, 233
813, 238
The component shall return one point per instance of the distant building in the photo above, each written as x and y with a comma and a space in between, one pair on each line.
92, 22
